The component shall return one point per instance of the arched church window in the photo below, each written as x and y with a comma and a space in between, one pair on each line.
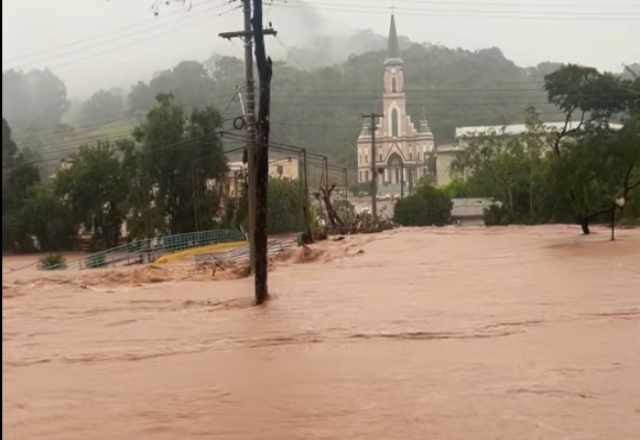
393, 85
394, 123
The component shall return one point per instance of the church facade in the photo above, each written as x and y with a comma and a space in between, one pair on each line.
405, 152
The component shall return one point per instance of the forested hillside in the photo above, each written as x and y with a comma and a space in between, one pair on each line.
316, 107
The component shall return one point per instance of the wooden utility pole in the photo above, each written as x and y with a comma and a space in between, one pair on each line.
247, 35
305, 198
262, 155
374, 172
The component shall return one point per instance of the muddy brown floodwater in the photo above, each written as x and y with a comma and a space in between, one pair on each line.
452, 333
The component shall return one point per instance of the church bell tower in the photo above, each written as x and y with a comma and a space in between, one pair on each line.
394, 107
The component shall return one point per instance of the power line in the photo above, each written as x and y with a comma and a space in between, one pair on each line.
89, 40
147, 34
476, 13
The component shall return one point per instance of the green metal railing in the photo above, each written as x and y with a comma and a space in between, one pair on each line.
149, 249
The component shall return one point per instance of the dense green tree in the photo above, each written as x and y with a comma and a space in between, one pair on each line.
182, 160
19, 176
284, 206
9, 147
512, 169
49, 219
189, 83
94, 187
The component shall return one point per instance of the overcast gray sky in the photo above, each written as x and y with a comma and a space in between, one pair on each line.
94, 44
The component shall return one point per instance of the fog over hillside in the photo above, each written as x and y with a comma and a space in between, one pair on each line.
100, 44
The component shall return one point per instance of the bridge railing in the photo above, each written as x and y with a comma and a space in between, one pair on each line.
149, 249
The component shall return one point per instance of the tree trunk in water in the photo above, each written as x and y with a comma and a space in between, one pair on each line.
334, 219
584, 224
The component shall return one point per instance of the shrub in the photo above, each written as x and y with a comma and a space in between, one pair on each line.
345, 210
52, 262
496, 215
284, 212
428, 206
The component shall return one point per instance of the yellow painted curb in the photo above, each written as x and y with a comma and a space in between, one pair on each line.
219, 247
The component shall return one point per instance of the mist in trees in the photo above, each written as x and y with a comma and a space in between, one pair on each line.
103, 107
189, 83
35, 99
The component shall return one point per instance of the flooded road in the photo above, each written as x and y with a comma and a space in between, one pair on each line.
449, 333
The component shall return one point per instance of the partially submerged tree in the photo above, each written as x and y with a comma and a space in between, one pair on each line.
429, 206
103, 107
596, 162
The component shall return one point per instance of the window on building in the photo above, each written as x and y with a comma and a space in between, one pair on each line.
394, 122
366, 176
410, 155
393, 85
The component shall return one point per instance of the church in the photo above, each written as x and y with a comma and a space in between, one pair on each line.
404, 152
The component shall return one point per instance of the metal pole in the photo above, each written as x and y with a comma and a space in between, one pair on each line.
346, 184
401, 180
374, 171
613, 223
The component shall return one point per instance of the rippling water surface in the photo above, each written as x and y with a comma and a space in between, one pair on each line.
451, 333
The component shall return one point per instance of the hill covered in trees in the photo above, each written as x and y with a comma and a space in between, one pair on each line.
313, 104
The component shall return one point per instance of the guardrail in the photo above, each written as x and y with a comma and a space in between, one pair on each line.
149, 249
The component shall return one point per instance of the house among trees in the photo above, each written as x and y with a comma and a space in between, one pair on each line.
281, 168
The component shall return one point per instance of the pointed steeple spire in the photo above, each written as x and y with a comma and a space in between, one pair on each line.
393, 49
